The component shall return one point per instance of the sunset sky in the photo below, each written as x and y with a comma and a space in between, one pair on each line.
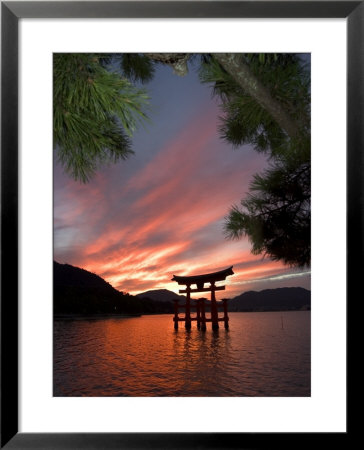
161, 212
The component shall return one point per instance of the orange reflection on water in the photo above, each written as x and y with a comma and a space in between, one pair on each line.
146, 357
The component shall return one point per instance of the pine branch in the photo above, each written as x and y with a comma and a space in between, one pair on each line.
235, 65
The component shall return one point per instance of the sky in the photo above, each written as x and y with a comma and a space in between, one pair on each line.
162, 211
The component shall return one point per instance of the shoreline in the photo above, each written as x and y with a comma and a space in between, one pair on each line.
130, 316
93, 316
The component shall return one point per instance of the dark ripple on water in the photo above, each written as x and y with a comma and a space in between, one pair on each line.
146, 357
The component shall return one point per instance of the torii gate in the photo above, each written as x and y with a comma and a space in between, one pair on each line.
199, 281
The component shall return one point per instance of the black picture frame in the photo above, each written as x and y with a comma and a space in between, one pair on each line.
11, 12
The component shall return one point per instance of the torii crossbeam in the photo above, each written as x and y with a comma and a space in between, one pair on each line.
199, 281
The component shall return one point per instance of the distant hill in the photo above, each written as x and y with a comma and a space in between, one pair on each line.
77, 291
162, 295
280, 299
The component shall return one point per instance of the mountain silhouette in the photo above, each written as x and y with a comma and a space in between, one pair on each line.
163, 295
67, 275
77, 291
280, 299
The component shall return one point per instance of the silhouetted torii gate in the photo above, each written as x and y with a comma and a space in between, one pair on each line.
199, 281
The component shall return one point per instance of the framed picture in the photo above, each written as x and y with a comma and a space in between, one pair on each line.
43, 408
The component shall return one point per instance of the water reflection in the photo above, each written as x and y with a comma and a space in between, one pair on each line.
146, 357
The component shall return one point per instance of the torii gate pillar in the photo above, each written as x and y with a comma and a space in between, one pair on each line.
188, 308
214, 313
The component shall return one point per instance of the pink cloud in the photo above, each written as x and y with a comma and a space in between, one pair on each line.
166, 217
